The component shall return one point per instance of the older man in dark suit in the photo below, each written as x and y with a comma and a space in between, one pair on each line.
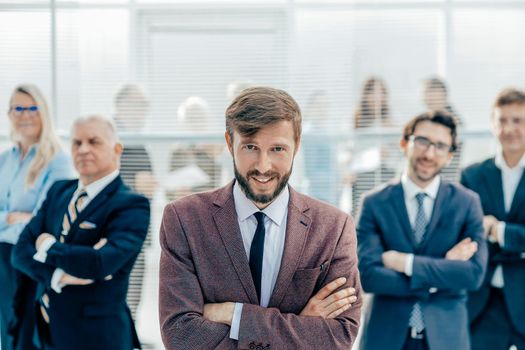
81, 246
421, 247
255, 264
497, 309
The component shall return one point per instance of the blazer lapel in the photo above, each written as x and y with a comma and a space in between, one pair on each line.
297, 228
226, 221
494, 184
442, 195
96, 203
400, 207
61, 209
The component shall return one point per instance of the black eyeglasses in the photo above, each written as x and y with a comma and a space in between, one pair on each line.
423, 144
19, 110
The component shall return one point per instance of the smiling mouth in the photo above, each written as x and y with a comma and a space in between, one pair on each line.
262, 180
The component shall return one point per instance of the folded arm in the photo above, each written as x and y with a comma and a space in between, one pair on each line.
125, 234
375, 277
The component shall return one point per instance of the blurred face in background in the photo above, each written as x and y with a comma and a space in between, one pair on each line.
96, 152
435, 98
25, 118
508, 125
427, 151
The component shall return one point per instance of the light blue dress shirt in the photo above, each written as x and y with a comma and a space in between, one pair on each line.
276, 218
16, 196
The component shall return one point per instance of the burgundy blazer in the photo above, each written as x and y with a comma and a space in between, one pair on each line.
203, 261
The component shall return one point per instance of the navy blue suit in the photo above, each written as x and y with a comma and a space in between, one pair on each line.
93, 316
384, 225
485, 179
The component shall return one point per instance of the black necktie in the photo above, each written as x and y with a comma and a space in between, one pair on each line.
257, 252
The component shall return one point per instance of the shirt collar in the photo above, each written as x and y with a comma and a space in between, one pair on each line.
245, 208
32, 149
502, 164
411, 189
96, 187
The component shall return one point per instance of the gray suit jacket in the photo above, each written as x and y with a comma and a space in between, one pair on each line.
384, 225
203, 261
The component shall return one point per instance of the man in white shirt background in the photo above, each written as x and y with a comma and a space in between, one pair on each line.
497, 309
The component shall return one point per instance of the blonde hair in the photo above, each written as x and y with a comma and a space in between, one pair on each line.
49, 144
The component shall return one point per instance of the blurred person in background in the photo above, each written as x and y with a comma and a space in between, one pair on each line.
81, 245
371, 161
27, 170
320, 157
194, 166
131, 110
436, 97
421, 247
497, 309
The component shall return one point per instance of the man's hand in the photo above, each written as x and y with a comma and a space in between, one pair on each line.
489, 226
102, 242
463, 250
18, 216
219, 312
68, 279
41, 238
394, 260
328, 303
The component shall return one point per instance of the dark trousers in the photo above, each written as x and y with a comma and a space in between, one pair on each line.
493, 329
415, 344
17, 295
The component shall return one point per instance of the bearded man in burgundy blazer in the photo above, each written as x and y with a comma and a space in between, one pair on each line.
255, 264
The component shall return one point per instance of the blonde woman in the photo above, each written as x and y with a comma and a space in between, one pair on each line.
27, 170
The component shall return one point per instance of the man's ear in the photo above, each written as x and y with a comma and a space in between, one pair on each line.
229, 141
403, 144
119, 148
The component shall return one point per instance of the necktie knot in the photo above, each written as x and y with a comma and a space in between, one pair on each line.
260, 217
80, 199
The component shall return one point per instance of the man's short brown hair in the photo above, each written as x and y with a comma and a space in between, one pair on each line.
257, 107
509, 96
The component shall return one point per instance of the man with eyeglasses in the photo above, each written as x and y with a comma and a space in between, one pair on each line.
421, 247
497, 309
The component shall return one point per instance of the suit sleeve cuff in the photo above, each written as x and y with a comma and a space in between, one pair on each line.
41, 254
409, 264
501, 233
236, 321
55, 280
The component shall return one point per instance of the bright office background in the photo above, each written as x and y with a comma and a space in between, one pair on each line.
81, 52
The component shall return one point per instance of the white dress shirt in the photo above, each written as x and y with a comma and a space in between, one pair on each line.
510, 178
92, 190
410, 189
275, 219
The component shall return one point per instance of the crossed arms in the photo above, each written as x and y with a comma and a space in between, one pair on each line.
329, 319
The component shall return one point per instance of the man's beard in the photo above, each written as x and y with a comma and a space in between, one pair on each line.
425, 178
261, 198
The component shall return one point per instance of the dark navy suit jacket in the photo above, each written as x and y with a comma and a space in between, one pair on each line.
384, 225
93, 316
485, 179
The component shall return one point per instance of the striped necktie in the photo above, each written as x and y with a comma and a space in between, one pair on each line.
72, 213
420, 227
